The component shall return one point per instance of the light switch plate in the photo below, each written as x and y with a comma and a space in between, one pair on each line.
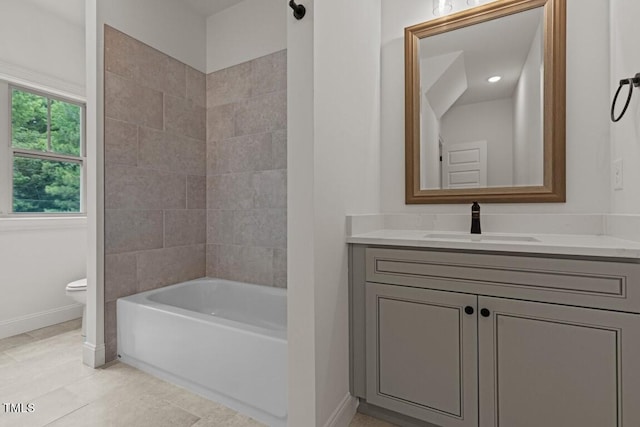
617, 175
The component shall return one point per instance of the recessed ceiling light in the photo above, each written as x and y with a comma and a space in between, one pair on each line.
494, 79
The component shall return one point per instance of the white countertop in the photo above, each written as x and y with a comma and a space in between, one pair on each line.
560, 244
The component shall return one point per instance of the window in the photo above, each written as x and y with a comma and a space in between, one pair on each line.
44, 156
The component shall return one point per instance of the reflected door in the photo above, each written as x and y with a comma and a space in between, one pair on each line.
464, 165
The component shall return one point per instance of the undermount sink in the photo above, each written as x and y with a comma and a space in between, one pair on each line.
480, 237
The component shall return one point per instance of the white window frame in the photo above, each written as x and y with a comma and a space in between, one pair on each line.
7, 152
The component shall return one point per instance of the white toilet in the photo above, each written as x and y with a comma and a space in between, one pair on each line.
78, 291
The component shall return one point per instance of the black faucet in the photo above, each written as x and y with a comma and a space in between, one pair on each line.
475, 218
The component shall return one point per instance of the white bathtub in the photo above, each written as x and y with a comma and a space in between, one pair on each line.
224, 340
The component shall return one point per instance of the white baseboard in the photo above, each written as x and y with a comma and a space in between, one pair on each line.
92, 355
344, 413
30, 322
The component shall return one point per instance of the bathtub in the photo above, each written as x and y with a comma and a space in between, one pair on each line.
226, 341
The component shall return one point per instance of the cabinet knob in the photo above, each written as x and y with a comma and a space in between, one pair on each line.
485, 312
469, 310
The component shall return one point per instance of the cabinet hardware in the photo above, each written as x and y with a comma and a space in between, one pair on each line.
485, 312
469, 310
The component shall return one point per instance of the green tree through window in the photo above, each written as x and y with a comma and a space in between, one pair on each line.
42, 129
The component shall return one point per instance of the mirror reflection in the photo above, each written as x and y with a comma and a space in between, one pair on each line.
481, 104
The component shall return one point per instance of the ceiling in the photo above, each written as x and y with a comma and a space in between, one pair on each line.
497, 47
72, 11
209, 7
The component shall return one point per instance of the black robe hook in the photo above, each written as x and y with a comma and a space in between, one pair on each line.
298, 10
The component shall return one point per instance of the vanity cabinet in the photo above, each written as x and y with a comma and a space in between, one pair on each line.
459, 339
422, 353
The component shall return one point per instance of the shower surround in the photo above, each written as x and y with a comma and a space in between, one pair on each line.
246, 171
195, 172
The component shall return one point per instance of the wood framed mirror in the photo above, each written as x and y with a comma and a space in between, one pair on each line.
485, 105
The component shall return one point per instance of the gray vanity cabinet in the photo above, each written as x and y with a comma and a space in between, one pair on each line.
552, 365
421, 354
449, 340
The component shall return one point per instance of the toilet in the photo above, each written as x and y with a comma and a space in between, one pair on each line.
78, 291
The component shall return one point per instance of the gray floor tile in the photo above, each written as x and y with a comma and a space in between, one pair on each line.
361, 420
15, 341
122, 409
46, 408
51, 331
6, 360
44, 367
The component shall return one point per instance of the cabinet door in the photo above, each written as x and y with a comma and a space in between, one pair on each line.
557, 366
422, 354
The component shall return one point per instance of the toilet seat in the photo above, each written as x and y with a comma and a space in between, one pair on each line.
78, 285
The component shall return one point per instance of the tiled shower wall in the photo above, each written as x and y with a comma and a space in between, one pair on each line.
155, 172
246, 171
195, 172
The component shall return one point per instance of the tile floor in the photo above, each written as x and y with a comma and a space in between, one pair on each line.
44, 367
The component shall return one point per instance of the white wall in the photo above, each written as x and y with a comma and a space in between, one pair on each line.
39, 47
248, 30
528, 134
38, 257
333, 171
429, 146
491, 121
625, 135
300, 221
587, 110
167, 25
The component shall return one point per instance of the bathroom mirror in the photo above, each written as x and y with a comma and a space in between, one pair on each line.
485, 105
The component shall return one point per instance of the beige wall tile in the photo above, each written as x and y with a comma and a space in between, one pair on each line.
269, 73
280, 268
185, 227
264, 113
196, 192
143, 64
245, 264
220, 227
279, 146
183, 117
120, 53
132, 103
212, 261
270, 189
127, 231
196, 87
220, 124
212, 160
230, 85
230, 192
120, 143
110, 330
120, 276
161, 72
172, 153
168, 266
265, 228
135, 188
243, 154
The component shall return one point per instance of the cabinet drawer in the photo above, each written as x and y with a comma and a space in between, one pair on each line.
568, 281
